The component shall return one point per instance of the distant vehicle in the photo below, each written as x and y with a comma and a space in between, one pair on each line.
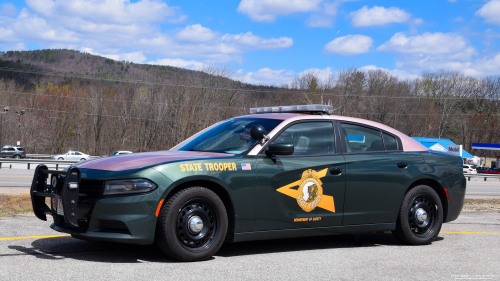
13, 152
469, 169
71, 155
118, 152
482, 170
493, 171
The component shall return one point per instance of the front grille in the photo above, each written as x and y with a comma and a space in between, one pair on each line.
91, 189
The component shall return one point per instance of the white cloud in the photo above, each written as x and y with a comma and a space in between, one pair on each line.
459, 19
196, 33
8, 9
188, 64
452, 1
378, 16
265, 76
401, 74
326, 15
13, 46
490, 12
106, 11
60, 23
427, 43
349, 45
269, 10
135, 57
430, 51
27, 27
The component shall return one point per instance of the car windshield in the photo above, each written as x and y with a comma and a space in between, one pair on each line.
230, 136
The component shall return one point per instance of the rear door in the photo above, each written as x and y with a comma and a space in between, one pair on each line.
378, 173
305, 189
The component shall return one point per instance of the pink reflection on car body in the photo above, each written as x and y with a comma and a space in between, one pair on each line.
145, 159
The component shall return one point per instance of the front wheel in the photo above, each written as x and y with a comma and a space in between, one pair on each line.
420, 216
60, 158
192, 225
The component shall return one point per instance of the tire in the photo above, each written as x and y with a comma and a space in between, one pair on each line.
177, 240
17, 156
83, 159
60, 158
412, 229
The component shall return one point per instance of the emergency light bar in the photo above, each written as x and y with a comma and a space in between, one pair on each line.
308, 108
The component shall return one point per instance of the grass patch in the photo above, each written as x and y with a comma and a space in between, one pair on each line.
15, 203
482, 201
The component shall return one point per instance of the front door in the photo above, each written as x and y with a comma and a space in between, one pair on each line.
305, 189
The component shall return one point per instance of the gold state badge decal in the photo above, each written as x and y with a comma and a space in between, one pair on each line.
309, 194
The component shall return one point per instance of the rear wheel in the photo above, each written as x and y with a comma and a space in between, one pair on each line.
83, 159
17, 157
192, 225
420, 217
60, 158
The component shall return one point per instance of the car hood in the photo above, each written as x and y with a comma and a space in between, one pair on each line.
146, 159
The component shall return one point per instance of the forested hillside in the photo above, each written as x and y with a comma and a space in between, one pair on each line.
96, 105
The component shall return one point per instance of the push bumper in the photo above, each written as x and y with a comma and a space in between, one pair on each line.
124, 219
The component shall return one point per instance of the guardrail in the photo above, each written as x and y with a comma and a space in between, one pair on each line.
485, 176
33, 161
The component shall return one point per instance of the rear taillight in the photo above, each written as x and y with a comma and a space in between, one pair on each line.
471, 170
24, 152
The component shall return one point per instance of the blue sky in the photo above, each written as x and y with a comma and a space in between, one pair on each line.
267, 41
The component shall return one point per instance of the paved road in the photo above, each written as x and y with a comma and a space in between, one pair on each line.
453, 256
18, 180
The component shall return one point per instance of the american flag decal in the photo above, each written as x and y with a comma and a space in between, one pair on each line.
246, 166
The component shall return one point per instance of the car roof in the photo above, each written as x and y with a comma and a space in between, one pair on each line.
409, 144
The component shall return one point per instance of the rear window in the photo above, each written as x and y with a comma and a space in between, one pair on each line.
20, 149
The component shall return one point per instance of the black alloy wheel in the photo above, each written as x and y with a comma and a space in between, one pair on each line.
197, 226
192, 224
420, 216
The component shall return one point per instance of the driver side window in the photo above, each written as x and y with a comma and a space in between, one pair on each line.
311, 138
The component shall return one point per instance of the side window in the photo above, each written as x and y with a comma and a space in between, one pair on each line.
360, 139
11, 149
311, 138
71, 153
78, 153
390, 142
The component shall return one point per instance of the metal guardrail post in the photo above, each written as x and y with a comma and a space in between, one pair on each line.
468, 178
57, 166
29, 166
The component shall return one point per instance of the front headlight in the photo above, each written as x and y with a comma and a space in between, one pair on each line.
128, 186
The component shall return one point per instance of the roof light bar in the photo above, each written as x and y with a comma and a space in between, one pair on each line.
312, 108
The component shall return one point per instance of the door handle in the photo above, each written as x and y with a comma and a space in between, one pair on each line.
402, 165
335, 171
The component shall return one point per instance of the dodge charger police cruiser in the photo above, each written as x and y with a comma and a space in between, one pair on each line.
288, 171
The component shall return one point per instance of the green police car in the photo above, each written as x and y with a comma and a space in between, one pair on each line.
280, 172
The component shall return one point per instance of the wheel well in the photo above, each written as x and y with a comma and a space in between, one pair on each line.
439, 190
223, 195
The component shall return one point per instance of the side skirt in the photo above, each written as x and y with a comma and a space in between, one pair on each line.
318, 231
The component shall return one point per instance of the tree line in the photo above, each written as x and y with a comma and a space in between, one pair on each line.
159, 111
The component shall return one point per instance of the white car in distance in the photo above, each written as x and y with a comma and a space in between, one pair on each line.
72, 155
469, 169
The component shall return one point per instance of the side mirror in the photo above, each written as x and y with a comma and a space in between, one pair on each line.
280, 149
258, 132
